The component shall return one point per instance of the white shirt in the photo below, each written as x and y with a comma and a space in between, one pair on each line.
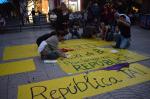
53, 17
127, 18
42, 46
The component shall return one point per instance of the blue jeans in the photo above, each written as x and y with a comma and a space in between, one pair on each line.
52, 55
122, 42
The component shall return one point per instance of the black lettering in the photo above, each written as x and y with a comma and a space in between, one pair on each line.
86, 66
98, 84
87, 81
114, 80
75, 89
130, 73
89, 54
82, 86
104, 82
108, 62
92, 64
140, 70
63, 92
52, 93
40, 93
98, 51
77, 67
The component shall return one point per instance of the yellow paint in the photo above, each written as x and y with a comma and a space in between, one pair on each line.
91, 59
30, 50
85, 85
83, 43
128, 56
20, 51
16, 67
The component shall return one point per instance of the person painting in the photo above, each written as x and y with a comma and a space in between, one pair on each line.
48, 48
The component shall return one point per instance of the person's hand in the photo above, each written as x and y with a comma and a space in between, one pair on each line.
67, 55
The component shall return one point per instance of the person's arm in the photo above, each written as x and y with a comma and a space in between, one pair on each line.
61, 53
4, 22
124, 23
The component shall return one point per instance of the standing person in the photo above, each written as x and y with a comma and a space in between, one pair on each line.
2, 23
62, 13
33, 15
123, 39
53, 18
95, 8
49, 48
26, 17
65, 12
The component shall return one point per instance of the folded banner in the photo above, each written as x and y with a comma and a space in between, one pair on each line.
90, 59
85, 85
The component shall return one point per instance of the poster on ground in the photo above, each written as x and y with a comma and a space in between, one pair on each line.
85, 85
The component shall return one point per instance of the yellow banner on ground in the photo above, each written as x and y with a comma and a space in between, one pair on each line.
20, 51
96, 58
83, 43
16, 67
30, 50
85, 85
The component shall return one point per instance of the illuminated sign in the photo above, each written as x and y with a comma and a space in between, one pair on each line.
3, 1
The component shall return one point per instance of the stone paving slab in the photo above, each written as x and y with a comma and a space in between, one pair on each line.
3, 87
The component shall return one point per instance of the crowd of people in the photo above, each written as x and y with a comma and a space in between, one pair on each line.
102, 22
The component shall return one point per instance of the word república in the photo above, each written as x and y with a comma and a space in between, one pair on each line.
85, 83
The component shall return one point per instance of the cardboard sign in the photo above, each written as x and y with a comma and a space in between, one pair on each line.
85, 85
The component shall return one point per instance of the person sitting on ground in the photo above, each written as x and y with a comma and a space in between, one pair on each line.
103, 30
89, 32
49, 48
116, 34
123, 39
75, 30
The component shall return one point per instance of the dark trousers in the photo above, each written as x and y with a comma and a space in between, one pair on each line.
42, 38
50, 56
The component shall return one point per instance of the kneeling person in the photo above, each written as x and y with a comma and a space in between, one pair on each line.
123, 38
49, 48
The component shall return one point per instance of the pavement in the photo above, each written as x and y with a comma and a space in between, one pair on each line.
9, 84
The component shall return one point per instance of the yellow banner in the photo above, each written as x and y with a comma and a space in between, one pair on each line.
90, 59
20, 51
85, 85
30, 50
17, 67
83, 43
